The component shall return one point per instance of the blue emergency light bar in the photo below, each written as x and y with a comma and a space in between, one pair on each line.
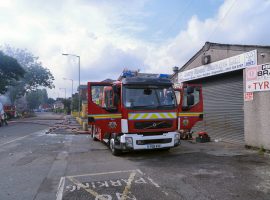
164, 76
128, 74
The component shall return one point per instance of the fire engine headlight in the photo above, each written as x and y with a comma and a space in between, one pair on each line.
177, 139
129, 142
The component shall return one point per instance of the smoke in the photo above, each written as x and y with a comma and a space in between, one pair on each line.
4, 100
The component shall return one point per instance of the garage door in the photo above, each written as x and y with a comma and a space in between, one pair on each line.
223, 107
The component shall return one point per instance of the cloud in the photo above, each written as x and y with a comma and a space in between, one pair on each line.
104, 34
236, 22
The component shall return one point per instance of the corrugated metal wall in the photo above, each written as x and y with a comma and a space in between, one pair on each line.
223, 107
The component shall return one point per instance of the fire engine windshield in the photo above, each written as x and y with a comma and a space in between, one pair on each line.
149, 97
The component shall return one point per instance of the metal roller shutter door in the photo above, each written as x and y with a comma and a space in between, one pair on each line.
223, 107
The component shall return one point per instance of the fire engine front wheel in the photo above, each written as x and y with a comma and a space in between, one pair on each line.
115, 152
94, 138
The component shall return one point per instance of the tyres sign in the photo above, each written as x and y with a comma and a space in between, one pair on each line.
258, 78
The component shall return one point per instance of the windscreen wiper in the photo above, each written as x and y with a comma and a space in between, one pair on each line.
147, 106
166, 106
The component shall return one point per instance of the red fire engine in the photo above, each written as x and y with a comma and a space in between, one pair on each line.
10, 110
141, 112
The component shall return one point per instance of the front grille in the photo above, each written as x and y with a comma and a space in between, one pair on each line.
153, 124
150, 133
156, 141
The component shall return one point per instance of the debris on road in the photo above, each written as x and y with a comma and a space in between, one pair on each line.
68, 126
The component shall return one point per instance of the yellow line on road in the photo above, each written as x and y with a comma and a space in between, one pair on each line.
128, 186
79, 184
102, 173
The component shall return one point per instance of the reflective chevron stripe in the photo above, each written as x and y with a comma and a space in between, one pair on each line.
158, 115
106, 116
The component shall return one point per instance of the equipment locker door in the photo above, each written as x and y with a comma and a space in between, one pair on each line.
104, 116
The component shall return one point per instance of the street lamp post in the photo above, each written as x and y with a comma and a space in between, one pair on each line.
79, 65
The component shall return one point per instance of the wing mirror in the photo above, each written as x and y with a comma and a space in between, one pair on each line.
190, 100
190, 89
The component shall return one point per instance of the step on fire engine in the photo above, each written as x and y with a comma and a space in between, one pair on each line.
141, 111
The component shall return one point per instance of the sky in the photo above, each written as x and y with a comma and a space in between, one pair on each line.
112, 35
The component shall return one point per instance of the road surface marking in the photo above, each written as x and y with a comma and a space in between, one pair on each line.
103, 173
94, 193
128, 186
61, 185
153, 182
101, 197
19, 138
109, 186
124, 195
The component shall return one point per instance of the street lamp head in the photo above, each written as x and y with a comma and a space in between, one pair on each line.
67, 54
67, 79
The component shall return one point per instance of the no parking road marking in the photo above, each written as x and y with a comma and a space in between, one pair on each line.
117, 185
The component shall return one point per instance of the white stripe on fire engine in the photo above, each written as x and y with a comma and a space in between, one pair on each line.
158, 115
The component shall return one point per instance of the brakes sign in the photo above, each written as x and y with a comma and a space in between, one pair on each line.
258, 78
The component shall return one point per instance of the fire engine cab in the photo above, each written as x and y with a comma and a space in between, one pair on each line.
140, 111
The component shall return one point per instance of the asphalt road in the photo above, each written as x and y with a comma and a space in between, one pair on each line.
35, 165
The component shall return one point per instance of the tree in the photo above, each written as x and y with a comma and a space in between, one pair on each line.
75, 102
43, 96
67, 103
36, 98
10, 71
33, 100
35, 74
50, 101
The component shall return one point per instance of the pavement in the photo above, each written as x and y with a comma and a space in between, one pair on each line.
62, 165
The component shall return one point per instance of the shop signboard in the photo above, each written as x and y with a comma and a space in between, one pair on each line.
258, 78
240, 61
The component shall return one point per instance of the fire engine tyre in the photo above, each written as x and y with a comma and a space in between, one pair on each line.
115, 152
166, 149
